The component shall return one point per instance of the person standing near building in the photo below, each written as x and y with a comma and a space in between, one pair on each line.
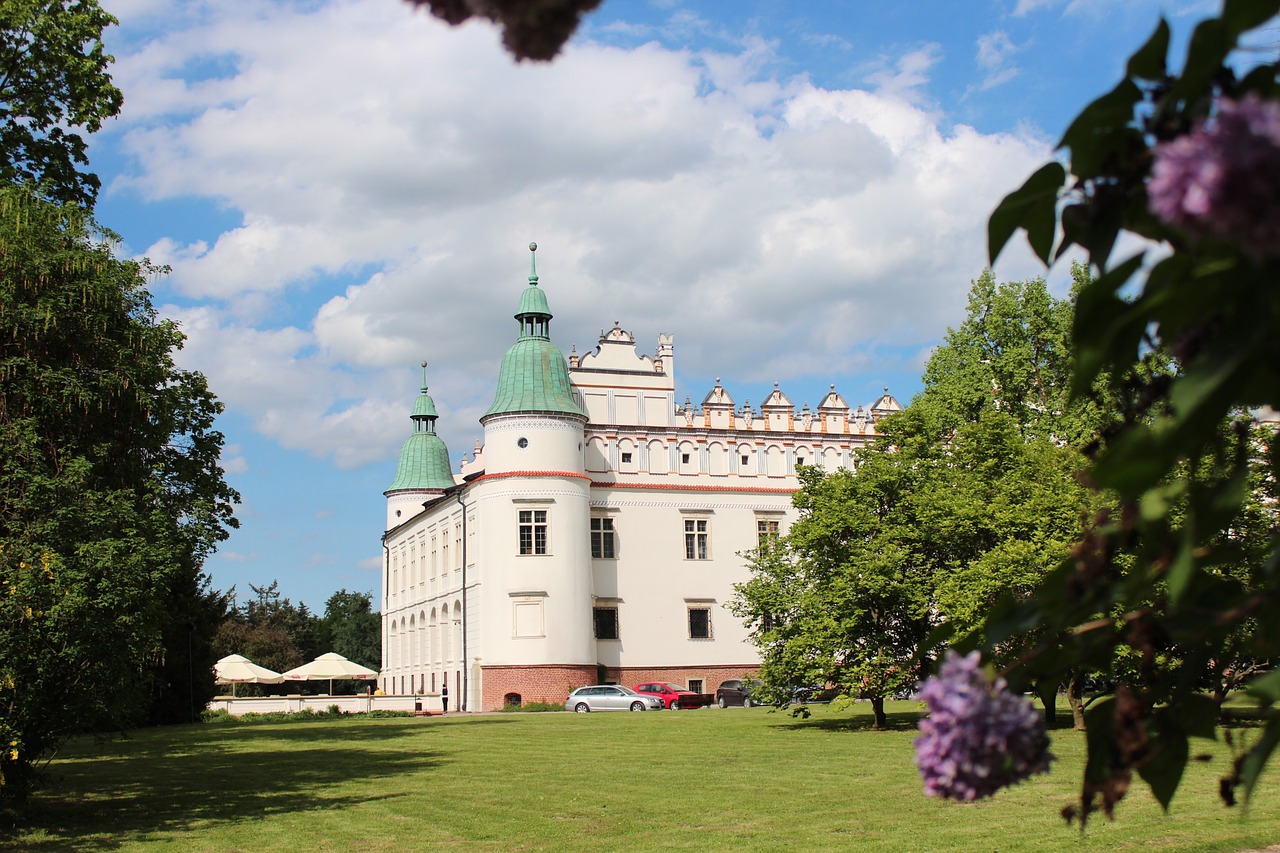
444, 697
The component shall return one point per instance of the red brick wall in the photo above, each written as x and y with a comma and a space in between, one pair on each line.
711, 675
533, 683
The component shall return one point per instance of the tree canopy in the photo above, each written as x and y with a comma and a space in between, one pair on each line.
53, 79
970, 492
1187, 161
111, 494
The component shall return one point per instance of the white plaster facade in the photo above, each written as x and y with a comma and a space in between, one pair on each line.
632, 520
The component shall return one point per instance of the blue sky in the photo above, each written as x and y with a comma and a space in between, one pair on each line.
344, 188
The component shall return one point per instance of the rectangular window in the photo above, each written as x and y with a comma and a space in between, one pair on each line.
684, 458
606, 622
533, 531
695, 539
626, 458
766, 530
695, 685
602, 541
699, 623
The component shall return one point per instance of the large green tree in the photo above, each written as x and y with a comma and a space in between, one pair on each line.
111, 494
1187, 160
972, 491
53, 80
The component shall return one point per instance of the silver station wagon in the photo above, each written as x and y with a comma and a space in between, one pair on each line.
610, 697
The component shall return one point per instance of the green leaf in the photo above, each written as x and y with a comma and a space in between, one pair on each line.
1166, 762
1148, 63
1103, 128
1210, 43
1198, 715
1093, 227
1107, 330
1099, 721
1266, 687
1181, 570
1241, 15
1257, 758
1032, 207
1134, 462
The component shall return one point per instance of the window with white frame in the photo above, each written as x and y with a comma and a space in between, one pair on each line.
766, 530
697, 533
603, 543
533, 531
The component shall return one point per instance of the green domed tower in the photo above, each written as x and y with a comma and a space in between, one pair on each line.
535, 423
423, 470
534, 378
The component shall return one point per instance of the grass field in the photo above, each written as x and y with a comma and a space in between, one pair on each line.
743, 779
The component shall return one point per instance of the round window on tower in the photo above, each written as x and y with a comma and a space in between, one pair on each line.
522, 443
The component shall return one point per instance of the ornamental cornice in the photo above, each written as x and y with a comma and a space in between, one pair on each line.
689, 487
515, 423
607, 430
683, 505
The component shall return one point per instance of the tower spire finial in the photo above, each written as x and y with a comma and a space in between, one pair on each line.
533, 267
424, 374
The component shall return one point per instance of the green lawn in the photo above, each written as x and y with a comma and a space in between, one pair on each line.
704, 779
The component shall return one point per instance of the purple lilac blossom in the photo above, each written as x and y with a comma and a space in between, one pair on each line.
978, 736
1222, 180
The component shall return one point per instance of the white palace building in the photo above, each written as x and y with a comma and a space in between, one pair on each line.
596, 535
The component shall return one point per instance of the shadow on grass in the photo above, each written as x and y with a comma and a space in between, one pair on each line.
107, 795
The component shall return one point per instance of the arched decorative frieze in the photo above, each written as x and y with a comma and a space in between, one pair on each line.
659, 461
628, 456
830, 459
687, 458
718, 458
597, 455
775, 459
745, 458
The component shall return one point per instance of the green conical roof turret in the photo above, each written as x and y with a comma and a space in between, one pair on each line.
535, 376
424, 459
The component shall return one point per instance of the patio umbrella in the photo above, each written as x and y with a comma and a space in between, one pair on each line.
329, 667
238, 669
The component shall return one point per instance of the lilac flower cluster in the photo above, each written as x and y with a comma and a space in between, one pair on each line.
978, 737
1222, 180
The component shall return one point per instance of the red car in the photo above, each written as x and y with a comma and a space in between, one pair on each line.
674, 696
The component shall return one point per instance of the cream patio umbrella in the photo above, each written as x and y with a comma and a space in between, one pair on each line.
330, 667
238, 669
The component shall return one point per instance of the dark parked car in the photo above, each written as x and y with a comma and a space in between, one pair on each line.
735, 691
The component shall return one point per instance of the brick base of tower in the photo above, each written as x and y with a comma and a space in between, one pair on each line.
551, 683
710, 676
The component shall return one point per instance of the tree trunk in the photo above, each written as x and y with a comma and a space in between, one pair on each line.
1075, 698
877, 712
1048, 695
